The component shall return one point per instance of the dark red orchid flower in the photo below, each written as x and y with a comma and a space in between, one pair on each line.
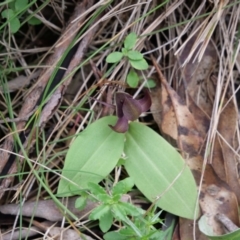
129, 109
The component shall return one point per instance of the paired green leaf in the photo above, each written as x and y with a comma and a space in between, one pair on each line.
130, 41
11, 14
13, 21
114, 57
139, 64
134, 55
132, 79
91, 157
154, 165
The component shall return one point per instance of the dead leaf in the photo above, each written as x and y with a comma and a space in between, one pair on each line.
227, 127
19, 82
47, 209
58, 233
196, 76
190, 142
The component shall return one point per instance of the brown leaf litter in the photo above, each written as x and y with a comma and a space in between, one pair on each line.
186, 121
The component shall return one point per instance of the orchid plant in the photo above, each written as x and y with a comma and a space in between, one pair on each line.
129, 109
135, 58
155, 167
145, 155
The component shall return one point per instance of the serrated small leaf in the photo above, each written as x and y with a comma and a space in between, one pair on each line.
81, 203
130, 41
132, 79
123, 186
114, 57
139, 64
113, 235
105, 198
119, 212
96, 189
20, 4
106, 221
130, 209
116, 197
99, 212
134, 55
34, 21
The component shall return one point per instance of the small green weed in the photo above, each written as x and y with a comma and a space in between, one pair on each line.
153, 165
111, 208
135, 59
13, 13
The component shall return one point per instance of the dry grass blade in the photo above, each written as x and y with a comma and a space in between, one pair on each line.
33, 97
195, 103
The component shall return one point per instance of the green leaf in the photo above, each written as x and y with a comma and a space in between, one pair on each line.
99, 212
134, 55
119, 212
20, 4
11, 5
124, 52
132, 79
130, 209
139, 64
96, 189
208, 231
114, 57
34, 21
116, 198
106, 221
150, 83
14, 25
130, 41
154, 165
166, 234
123, 186
113, 235
92, 156
127, 232
105, 198
7, 13
121, 162
81, 203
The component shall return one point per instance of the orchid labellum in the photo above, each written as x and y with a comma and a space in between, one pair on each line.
129, 109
